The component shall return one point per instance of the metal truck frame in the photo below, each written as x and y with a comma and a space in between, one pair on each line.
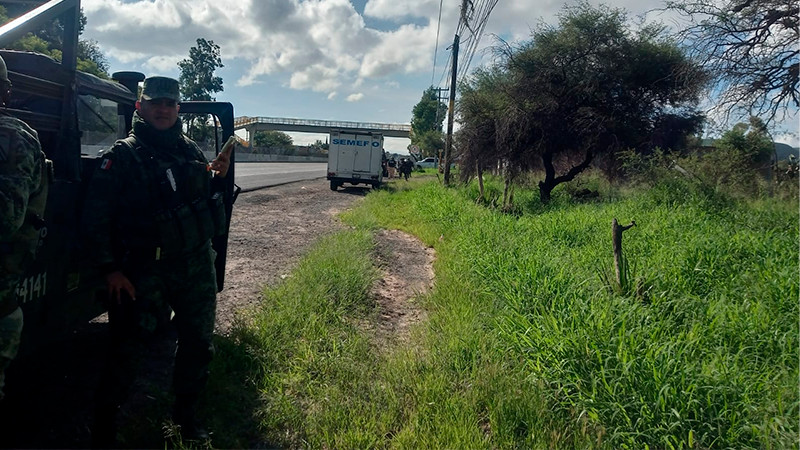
62, 291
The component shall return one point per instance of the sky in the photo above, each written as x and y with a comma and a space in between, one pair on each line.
360, 60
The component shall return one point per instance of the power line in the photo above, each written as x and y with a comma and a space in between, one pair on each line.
445, 70
481, 18
436, 47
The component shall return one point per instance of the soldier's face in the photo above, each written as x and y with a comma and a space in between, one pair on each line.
160, 113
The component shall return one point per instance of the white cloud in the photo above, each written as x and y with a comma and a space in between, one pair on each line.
399, 52
320, 45
790, 138
163, 64
317, 78
355, 97
298, 38
397, 10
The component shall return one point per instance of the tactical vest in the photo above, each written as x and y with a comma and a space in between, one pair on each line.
181, 212
19, 251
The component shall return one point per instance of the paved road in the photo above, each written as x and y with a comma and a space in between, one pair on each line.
250, 176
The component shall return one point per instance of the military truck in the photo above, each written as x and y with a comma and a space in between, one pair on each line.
76, 114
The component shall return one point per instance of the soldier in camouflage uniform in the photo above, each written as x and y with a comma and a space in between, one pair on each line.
154, 204
23, 193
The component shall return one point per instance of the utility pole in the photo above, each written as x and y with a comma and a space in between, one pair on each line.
441, 97
448, 148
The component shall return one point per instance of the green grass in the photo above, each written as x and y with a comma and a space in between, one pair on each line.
525, 346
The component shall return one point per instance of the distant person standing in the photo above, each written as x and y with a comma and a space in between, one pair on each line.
392, 167
155, 204
23, 193
405, 167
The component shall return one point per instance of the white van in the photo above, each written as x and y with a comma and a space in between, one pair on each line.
355, 158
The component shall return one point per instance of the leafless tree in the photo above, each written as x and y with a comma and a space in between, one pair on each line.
751, 48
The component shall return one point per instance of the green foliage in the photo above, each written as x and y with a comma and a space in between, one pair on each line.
647, 169
482, 100
198, 82
426, 123
91, 59
740, 163
709, 359
524, 346
318, 145
752, 141
431, 143
197, 78
317, 369
48, 41
272, 139
587, 87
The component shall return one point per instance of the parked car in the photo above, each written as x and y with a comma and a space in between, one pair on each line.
427, 163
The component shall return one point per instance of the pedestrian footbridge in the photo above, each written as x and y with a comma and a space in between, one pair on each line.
253, 124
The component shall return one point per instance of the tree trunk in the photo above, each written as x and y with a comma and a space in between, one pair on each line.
550, 179
546, 186
544, 192
480, 181
505, 191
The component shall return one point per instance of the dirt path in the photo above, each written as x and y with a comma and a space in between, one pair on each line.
49, 405
270, 230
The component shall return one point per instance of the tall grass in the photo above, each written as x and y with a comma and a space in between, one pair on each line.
526, 347
710, 359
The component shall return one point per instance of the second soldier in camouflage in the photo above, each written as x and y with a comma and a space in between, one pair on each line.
23, 194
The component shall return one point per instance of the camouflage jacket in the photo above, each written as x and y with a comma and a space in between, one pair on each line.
148, 200
23, 193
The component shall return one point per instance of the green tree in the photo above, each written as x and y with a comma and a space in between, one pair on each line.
197, 78
198, 82
91, 59
319, 146
426, 122
430, 142
750, 47
481, 101
591, 87
273, 140
48, 41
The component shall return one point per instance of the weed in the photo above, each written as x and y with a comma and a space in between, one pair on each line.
525, 344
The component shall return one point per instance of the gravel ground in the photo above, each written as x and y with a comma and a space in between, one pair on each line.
50, 399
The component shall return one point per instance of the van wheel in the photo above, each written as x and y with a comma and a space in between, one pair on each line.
376, 185
334, 185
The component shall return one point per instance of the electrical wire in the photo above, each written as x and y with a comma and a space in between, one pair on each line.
481, 16
446, 70
436, 47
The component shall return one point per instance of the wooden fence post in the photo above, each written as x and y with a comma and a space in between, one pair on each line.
617, 230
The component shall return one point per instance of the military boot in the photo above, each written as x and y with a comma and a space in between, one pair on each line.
185, 416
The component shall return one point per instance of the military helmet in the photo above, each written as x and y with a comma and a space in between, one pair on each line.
3, 70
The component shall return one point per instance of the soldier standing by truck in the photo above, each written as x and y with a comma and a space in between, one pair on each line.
23, 194
154, 204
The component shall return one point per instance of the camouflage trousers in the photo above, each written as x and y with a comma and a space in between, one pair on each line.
10, 325
189, 288
10, 331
